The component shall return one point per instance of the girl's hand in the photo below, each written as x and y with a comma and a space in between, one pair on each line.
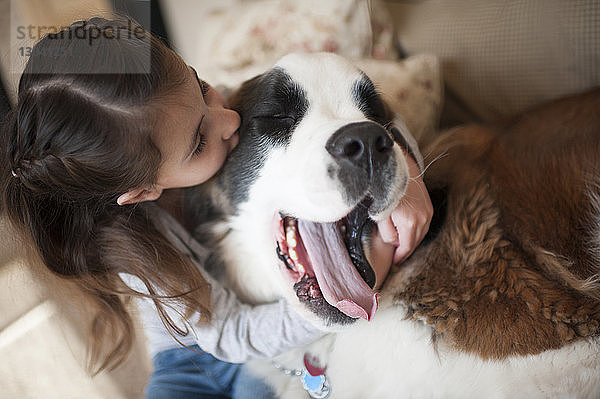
409, 222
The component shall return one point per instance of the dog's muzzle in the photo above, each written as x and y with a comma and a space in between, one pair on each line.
364, 156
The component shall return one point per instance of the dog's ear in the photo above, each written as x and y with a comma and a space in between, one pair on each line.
244, 95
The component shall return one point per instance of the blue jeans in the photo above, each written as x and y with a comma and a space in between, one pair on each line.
180, 373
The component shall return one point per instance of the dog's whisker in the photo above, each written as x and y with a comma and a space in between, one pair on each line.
444, 154
410, 199
405, 201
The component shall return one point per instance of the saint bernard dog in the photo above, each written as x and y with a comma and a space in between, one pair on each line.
501, 299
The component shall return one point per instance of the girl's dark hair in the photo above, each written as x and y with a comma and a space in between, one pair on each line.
79, 136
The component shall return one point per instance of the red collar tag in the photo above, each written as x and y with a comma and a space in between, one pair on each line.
311, 362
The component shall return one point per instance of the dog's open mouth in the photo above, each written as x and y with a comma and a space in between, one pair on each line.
327, 261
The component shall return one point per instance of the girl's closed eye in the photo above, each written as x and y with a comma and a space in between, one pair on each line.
201, 144
199, 141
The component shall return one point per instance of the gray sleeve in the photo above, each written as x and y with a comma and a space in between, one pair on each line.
237, 332
240, 332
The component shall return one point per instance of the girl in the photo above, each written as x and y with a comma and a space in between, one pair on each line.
107, 118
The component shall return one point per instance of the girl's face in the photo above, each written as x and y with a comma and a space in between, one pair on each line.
195, 133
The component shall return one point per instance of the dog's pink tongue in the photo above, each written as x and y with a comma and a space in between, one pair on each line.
339, 280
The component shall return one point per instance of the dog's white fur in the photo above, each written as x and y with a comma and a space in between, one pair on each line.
390, 356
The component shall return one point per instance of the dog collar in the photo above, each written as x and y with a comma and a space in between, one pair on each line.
314, 380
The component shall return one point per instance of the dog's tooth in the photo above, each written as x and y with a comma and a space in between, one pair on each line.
290, 237
293, 254
300, 268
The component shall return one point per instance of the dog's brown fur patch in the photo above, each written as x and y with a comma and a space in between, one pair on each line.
513, 270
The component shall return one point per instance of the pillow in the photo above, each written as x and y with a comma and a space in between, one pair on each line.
236, 39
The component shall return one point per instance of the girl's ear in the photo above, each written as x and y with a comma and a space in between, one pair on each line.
140, 194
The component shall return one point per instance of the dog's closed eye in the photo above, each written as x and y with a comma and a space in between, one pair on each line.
274, 122
277, 117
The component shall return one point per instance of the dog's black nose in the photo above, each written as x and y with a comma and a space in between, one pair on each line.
362, 144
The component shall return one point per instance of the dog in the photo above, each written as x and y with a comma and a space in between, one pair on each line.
500, 300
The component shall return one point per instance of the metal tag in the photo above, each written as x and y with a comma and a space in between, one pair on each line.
316, 386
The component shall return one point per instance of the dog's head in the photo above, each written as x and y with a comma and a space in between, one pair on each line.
315, 166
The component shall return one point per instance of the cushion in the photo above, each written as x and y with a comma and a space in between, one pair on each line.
236, 39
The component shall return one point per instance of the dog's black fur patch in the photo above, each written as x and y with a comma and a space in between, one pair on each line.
273, 105
368, 100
